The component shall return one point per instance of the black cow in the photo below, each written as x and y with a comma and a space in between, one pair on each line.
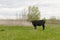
36, 23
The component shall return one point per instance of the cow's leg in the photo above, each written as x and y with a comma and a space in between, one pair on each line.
35, 27
43, 26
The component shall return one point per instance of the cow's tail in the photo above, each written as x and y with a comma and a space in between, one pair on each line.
44, 21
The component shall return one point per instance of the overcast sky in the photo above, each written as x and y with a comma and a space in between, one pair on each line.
48, 8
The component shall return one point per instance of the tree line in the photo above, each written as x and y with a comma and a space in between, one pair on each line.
34, 14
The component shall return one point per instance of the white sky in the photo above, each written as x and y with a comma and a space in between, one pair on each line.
48, 8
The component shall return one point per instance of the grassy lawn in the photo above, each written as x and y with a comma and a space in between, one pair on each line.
28, 33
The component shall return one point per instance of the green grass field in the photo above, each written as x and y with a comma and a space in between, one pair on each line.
28, 33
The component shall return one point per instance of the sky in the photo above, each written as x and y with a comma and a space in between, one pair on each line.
48, 8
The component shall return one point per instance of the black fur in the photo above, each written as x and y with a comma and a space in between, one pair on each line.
36, 23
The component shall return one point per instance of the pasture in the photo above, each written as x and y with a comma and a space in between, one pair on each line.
51, 32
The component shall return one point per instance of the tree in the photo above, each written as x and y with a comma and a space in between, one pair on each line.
33, 13
53, 19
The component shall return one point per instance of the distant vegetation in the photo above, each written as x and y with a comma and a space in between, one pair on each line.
53, 20
33, 13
